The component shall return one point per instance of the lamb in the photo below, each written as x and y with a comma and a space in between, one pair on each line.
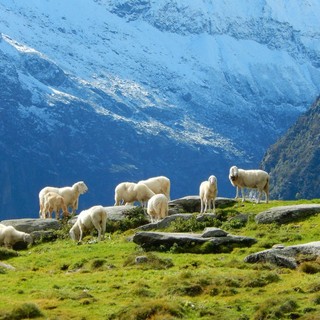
129, 192
158, 185
157, 207
88, 220
9, 236
208, 192
254, 179
69, 194
54, 202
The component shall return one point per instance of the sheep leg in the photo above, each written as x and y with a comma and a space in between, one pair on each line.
201, 210
81, 233
243, 195
205, 206
259, 196
97, 225
237, 193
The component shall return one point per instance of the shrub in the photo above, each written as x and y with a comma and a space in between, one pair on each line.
25, 311
309, 267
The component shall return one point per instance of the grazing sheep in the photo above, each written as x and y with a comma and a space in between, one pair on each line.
158, 185
208, 192
253, 179
9, 236
88, 220
69, 194
157, 207
129, 192
54, 202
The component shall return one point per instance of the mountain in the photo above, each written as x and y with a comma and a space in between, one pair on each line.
294, 160
109, 91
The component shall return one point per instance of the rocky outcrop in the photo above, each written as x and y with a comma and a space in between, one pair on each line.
285, 256
212, 240
286, 214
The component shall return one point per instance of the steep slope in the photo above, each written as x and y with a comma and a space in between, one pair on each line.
127, 89
294, 160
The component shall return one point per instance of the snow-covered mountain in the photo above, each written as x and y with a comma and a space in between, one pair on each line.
107, 91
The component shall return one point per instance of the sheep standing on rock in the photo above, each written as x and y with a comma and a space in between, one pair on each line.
253, 179
129, 192
88, 220
54, 202
208, 192
157, 207
9, 236
158, 185
70, 195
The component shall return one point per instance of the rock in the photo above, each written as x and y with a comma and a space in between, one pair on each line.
190, 242
190, 204
31, 225
141, 259
213, 232
117, 213
286, 214
285, 256
164, 223
43, 235
7, 266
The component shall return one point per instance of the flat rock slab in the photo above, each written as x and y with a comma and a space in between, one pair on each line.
285, 256
190, 204
31, 225
190, 242
286, 214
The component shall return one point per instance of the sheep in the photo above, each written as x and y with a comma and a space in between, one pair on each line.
157, 207
54, 202
9, 236
208, 192
88, 220
69, 194
158, 185
129, 192
254, 179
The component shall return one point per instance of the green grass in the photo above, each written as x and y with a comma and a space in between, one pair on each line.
63, 280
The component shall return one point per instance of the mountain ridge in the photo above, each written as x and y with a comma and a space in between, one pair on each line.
113, 94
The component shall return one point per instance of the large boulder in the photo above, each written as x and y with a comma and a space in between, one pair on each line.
285, 256
286, 214
191, 242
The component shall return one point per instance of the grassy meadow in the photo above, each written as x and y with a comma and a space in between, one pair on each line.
63, 280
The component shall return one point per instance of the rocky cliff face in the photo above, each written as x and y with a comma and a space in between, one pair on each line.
294, 160
128, 89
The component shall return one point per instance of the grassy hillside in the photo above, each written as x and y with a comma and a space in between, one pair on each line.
62, 280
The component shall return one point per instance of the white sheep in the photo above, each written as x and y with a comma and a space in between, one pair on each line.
9, 236
208, 192
157, 207
253, 179
88, 220
129, 192
158, 185
69, 194
54, 202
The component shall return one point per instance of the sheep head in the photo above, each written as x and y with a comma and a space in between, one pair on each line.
81, 187
27, 238
212, 179
233, 175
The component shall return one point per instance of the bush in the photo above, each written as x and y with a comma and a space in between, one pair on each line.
25, 311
